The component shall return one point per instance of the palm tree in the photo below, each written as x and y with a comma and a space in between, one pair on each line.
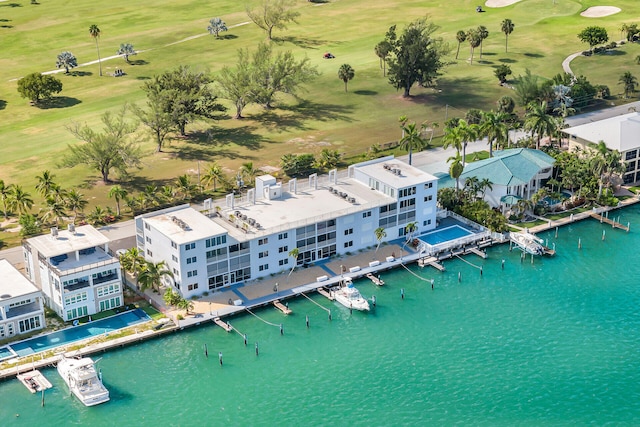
66, 60
5, 196
57, 192
472, 186
470, 132
126, 50
151, 274
328, 159
76, 202
538, 122
249, 172
185, 304
410, 229
483, 32
132, 261
380, 234
149, 196
484, 184
346, 73
629, 82
167, 193
382, 50
19, 200
185, 187
412, 140
475, 40
118, 193
53, 211
94, 32
456, 168
461, 36
293, 254
493, 127
97, 216
506, 104
45, 183
213, 174
507, 28
453, 137
216, 26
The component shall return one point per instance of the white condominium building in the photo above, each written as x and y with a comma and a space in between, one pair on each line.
240, 239
75, 271
21, 308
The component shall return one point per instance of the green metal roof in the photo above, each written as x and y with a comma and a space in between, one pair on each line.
516, 166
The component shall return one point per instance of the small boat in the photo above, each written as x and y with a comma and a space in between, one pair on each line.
34, 381
83, 380
376, 280
349, 296
529, 243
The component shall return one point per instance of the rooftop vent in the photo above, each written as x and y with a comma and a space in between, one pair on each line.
180, 223
71, 228
54, 232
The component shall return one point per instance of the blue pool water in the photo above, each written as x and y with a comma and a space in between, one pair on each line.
66, 336
5, 353
445, 234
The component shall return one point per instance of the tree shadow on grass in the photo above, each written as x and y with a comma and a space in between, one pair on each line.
484, 62
139, 182
206, 154
309, 110
80, 73
365, 92
10, 5
458, 93
227, 37
143, 78
58, 102
3, 104
613, 52
302, 42
507, 60
534, 55
216, 138
137, 62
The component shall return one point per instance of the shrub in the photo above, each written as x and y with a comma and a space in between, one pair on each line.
586, 53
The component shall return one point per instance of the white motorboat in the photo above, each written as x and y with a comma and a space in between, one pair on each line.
529, 243
350, 297
83, 381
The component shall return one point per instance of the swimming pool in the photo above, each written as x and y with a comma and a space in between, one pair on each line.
445, 234
77, 333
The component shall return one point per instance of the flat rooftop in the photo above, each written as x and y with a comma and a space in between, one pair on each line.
84, 261
84, 237
185, 225
12, 282
409, 175
618, 133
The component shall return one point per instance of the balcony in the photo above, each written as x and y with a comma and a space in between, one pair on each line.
105, 278
76, 286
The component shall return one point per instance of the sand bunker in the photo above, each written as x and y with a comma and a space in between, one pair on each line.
600, 11
500, 3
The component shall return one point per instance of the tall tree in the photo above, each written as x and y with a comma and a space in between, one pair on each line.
461, 36
216, 26
470, 132
45, 183
416, 56
629, 83
484, 33
538, 122
273, 14
36, 87
380, 234
19, 200
5, 196
67, 61
507, 27
126, 50
506, 104
249, 172
107, 150
383, 49
346, 73
184, 94
185, 188
456, 169
118, 193
593, 36
236, 84
475, 39
412, 140
213, 174
293, 254
152, 274
157, 119
493, 127
76, 202
94, 32
53, 211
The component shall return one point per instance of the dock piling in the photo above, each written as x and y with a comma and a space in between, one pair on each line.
257, 351
402, 293
307, 321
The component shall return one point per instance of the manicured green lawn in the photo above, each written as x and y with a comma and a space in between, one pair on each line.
323, 116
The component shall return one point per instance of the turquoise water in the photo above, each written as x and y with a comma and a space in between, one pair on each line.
66, 336
556, 342
445, 234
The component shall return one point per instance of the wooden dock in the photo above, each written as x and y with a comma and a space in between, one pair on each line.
376, 280
224, 325
283, 308
34, 381
478, 252
325, 294
432, 261
609, 221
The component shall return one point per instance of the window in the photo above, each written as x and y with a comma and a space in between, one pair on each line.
283, 236
192, 287
192, 260
148, 239
174, 258
189, 246
1, 331
146, 226
405, 192
263, 241
110, 303
428, 185
149, 252
192, 273
283, 262
348, 244
74, 299
366, 214
427, 222
428, 198
29, 324
348, 231
263, 254
174, 245
631, 154
175, 272
283, 249
263, 267
107, 290
78, 312
216, 241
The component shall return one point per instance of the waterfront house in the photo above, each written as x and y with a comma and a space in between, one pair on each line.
241, 238
620, 133
75, 271
21, 307
516, 173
